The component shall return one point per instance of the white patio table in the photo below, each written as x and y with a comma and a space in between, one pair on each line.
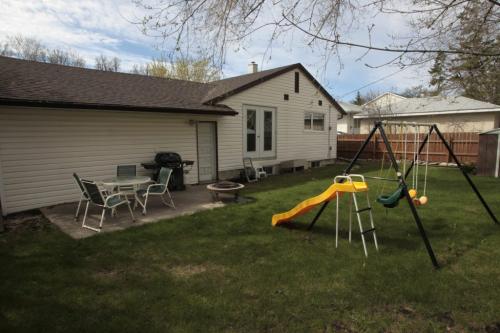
127, 181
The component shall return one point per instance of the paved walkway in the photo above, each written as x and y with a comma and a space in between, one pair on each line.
193, 199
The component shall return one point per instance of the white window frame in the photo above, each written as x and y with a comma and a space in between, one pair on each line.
312, 114
259, 151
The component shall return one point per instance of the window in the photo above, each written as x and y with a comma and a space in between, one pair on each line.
307, 121
320, 102
286, 97
296, 82
268, 130
314, 121
251, 130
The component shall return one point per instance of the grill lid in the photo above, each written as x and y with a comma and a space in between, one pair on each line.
168, 158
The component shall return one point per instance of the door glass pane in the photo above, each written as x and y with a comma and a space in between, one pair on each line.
268, 130
251, 130
307, 121
318, 122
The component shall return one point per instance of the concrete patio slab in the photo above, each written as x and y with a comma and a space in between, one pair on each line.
194, 199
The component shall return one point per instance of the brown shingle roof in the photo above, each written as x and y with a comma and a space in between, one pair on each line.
25, 82
63, 86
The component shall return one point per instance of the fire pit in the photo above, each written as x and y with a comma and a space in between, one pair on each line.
225, 187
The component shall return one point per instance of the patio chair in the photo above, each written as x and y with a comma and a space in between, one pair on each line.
158, 189
126, 171
83, 196
252, 173
97, 197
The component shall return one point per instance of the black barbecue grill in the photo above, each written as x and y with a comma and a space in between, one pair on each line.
173, 161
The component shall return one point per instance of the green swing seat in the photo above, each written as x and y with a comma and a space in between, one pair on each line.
391, 200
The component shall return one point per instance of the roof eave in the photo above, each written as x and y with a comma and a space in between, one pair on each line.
432, 113
73, 105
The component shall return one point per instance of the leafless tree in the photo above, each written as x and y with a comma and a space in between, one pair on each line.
104, 63
27, 48
211, 26
61, 57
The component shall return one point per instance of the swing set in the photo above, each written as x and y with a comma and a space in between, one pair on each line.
392, 200
403, 190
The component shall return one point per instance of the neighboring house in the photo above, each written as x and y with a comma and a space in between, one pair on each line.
346, 123
56, 120
383, 101
451, 114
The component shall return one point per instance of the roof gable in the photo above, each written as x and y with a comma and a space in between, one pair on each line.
225, 88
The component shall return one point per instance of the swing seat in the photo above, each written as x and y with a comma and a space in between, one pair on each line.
391, 200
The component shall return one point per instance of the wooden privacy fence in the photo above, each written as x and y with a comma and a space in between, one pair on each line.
464, 145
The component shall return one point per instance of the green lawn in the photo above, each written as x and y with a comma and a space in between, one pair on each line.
228, 270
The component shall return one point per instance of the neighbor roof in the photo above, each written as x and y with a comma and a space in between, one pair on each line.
33, 83
431, 106
351, 108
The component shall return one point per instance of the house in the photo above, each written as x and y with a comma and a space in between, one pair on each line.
451, 114
56, 120
346, 123
384, 100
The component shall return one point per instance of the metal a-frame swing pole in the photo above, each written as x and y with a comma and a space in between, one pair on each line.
414, 212
469, 180
346, 171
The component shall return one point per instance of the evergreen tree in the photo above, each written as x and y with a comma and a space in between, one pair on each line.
475, 76
358, 100
438, 75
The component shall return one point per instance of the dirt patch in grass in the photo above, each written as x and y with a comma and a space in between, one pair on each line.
26, 221
187, 271
107, 274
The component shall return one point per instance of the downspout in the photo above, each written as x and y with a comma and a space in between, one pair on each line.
330, 128
497, 162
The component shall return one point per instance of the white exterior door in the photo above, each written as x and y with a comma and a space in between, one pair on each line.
207, 151
259, 131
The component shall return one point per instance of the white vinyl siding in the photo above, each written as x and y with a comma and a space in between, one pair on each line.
292, 141
41, 148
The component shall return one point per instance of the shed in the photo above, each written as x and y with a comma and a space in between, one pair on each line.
489, 153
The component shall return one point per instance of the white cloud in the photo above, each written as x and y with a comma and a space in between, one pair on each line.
88, 27
92, 27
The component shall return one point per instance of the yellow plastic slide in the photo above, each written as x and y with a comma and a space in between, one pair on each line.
329, 194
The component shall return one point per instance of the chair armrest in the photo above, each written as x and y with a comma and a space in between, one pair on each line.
154, 185
109, 197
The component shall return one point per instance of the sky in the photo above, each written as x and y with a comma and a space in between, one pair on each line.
93, 27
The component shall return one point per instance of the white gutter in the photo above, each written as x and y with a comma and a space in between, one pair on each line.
432, 113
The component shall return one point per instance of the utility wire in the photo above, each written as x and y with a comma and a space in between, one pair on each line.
372, 83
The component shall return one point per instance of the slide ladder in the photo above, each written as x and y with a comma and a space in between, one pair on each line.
359, 212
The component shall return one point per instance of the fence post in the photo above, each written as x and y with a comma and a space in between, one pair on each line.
448, 152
